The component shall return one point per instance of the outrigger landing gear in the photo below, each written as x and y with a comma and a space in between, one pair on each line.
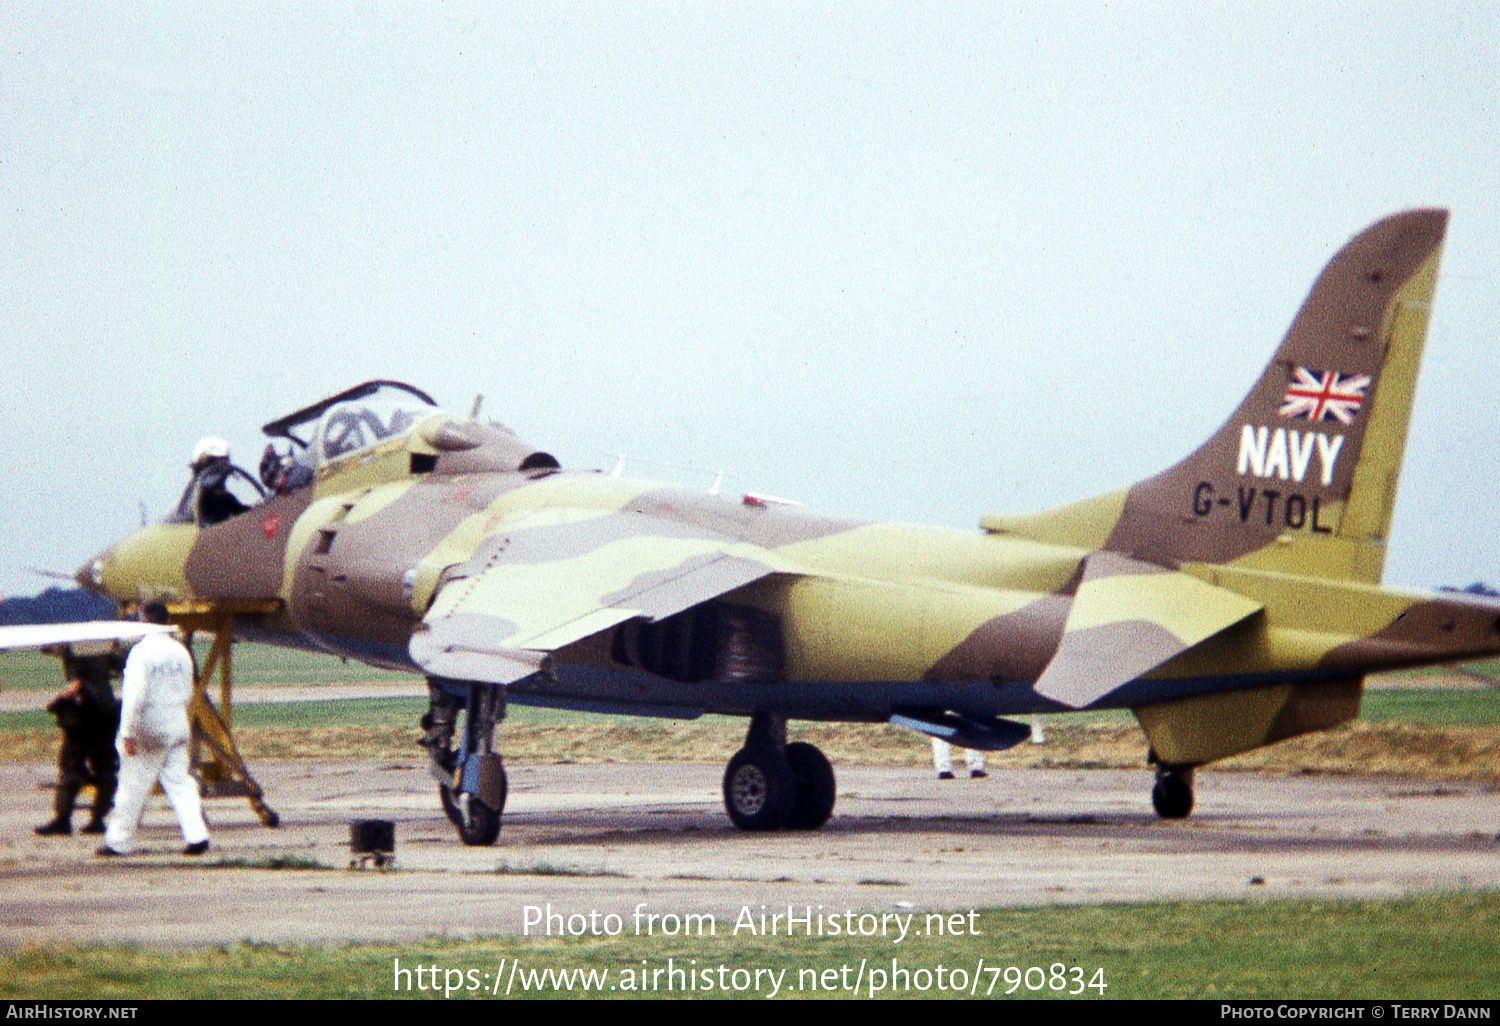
471, 780
1172, 794
770, 784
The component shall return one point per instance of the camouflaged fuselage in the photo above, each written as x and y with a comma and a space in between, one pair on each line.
871, 618
1231, 601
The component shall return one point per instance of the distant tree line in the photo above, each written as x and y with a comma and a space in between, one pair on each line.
1477, 588
57, 605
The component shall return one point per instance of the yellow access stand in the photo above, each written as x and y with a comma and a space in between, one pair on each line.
221, 770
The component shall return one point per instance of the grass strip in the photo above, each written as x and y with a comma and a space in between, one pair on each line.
1432, 947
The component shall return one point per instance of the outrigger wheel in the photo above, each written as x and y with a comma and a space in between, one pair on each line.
770, 784
1172, 796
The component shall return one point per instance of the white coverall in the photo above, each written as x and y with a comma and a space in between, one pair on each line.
153, 713
942, 757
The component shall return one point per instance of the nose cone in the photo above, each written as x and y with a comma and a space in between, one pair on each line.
90, 576
149, 562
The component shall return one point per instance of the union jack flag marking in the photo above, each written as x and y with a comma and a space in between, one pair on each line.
1324, 395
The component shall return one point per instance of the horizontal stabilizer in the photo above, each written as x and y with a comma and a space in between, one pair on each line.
987, 735
1128, 618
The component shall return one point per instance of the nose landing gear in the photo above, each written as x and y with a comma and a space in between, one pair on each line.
471, 781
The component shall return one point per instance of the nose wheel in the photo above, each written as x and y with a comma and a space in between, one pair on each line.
477, 822
471, 781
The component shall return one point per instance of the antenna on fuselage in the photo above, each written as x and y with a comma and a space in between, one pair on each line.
478, 401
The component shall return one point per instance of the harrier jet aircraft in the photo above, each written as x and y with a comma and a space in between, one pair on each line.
1230, 601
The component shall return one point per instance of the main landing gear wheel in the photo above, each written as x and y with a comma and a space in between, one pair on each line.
816, 789
1173, 794
770, 784
759, 789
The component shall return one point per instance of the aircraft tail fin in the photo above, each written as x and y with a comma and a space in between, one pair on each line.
1302, 478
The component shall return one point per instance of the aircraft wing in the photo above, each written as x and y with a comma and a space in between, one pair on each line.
1129, 617
100, 631
556, 576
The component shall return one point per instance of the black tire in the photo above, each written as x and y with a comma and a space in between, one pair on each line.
1172, 796
481, 825
478, 824
450, 805
816, 788
759, 789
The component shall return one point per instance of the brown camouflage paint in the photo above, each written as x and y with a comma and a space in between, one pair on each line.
860, 601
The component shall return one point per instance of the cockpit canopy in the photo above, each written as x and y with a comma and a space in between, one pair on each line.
376, 413
356, 419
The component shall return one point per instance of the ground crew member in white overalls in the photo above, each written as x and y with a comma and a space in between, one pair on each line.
153, 740
942, 760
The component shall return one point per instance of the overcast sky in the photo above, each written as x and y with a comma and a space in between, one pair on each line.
915, 261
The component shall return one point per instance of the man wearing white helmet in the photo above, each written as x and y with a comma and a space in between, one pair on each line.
212, 468
209, 449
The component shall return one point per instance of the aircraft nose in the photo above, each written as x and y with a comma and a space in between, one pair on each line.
90, 576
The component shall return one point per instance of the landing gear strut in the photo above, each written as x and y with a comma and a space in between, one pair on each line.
471, 780
770, 784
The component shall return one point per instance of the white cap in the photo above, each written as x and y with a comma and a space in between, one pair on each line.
210, 448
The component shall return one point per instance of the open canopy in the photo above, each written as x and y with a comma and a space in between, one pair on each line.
353, 419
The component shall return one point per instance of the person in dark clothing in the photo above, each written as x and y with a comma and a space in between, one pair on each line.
212, 470
89, 714
283, 473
